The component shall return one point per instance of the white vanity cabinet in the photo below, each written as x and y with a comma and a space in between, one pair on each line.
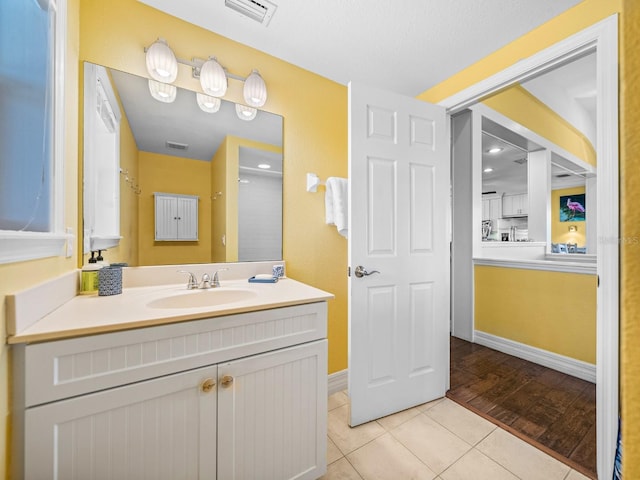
233, 397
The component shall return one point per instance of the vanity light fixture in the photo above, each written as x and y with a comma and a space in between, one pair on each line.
245, 113
208, 103
573, 228
162, 64
163, 92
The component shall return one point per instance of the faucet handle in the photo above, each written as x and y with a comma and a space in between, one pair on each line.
216, 281
192, 283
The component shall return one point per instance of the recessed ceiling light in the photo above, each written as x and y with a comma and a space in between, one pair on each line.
495, 150
488, 170
264, 165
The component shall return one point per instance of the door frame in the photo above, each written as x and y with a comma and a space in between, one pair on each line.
602, 37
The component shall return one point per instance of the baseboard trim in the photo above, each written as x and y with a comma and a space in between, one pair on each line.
570, 366
338, 381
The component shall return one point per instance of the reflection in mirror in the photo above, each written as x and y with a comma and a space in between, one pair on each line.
233, 166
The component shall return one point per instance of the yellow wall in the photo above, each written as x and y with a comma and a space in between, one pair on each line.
560, 230
630, 236
554, 311
522, 107
184, 176
314, 109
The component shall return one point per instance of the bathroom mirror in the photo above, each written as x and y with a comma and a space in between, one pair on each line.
233, 166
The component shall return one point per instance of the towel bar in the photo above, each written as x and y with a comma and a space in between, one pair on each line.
312, 182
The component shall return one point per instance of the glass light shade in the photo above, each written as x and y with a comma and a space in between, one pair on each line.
213, 79
207, 103
161, 62
255, 90
246, 113
163, 92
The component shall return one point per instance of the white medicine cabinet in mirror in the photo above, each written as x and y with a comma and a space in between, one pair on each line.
136, 146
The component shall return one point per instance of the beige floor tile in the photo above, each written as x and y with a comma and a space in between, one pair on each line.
474, 465
336, 400
348, 439
426, 406
341, 470
467, 425
573, 475
392, 421
387, 459
436, 446
333, 452
521, 458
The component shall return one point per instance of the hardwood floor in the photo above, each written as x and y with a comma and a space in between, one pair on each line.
548, 409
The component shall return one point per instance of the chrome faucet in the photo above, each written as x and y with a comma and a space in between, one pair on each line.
206, 281
216, 281
192, 283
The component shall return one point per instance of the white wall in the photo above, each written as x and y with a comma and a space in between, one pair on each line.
259, 217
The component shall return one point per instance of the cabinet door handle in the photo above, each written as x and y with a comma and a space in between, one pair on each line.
207, 385
226, 381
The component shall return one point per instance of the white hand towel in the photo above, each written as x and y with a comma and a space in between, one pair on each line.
337, 204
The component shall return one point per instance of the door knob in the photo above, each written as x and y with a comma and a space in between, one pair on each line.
207, 385
226, 381
362, 272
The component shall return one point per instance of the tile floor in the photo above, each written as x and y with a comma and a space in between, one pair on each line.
438, 440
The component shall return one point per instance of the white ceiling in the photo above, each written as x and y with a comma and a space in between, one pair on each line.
406, 46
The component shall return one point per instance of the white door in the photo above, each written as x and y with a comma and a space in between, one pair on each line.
398, 226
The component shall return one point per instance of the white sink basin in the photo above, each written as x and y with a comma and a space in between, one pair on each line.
202, 298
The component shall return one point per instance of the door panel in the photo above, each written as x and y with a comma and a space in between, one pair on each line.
399, 210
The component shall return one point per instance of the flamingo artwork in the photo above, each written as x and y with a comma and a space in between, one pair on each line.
573, 210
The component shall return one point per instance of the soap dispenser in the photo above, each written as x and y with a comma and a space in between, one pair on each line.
89, 276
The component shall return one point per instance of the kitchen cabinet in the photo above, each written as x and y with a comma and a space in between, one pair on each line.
234, 397
515, 205
491, 207
176, 217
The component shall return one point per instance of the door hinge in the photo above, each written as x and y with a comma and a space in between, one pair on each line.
348, 271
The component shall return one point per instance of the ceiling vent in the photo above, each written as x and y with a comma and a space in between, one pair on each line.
176, 145
521, 161
563, 175
261, 11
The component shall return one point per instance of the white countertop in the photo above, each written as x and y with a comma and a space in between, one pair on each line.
92, 314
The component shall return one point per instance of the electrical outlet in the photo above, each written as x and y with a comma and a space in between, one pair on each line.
70, 241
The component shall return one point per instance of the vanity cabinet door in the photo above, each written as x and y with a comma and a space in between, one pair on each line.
272, 414
157, 429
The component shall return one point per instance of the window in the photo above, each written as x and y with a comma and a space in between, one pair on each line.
32, 45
